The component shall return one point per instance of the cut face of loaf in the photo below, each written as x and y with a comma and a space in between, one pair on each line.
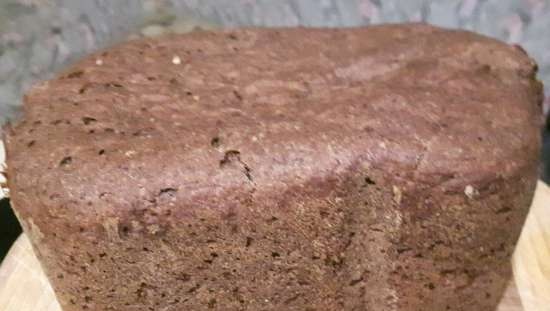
380, 168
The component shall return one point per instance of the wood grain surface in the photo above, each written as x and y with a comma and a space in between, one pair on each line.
24, 287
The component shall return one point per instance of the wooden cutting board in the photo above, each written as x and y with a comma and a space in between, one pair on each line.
24, 287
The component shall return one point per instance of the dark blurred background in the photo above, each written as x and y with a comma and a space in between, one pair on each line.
9, 227
39, 37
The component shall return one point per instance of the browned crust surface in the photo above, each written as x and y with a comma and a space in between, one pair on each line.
383, 168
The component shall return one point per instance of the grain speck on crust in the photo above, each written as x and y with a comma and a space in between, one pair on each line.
470, 191
176, 60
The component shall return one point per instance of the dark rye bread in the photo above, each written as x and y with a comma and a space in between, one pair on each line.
380, 168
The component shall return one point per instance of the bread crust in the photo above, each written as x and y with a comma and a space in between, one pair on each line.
381, 168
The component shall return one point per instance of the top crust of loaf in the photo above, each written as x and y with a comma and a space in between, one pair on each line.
200, 114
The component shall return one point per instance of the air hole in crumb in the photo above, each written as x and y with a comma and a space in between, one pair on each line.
31, 143
480, 138
151, 78
83, 89
109, 130
101, 152
275, 254
184, 277
369, 181
485, 68
91, 131
66, 161
402, 249
238, 95
88, 120
194, 288
113, 84
56, 122
102, 255
356, 281
503, 210
230, 156
170, 192
249, 241
215, 142
167, 193
212, 303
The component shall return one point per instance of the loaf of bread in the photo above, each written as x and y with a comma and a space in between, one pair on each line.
380, 168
